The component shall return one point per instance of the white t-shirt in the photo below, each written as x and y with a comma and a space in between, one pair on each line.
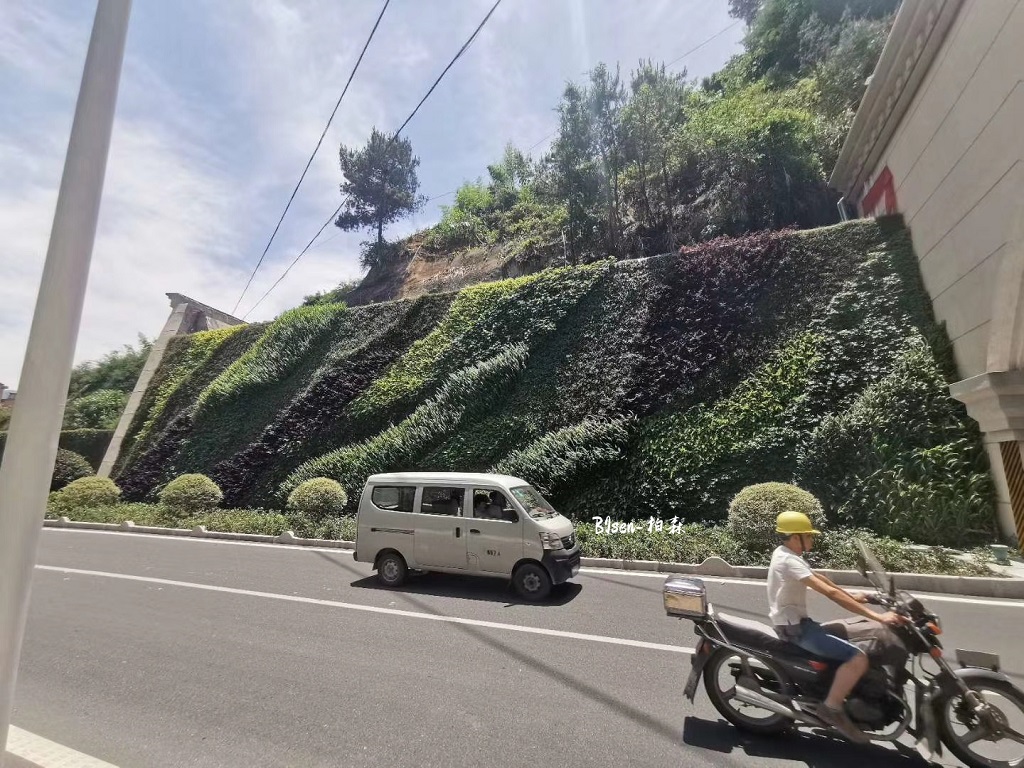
787, 595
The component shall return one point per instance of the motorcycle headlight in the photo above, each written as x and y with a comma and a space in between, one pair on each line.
550, 540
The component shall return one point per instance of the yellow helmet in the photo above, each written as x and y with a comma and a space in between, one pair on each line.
791, 523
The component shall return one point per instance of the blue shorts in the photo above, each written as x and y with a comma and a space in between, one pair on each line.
810, 636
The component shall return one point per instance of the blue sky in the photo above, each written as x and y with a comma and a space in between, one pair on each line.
221, 102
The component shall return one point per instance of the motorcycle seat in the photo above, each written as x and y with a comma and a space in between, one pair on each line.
756, 636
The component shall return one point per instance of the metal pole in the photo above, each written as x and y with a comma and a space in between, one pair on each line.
35, 424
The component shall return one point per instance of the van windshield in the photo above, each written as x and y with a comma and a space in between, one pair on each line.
537, 507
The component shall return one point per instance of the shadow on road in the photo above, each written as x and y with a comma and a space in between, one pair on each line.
470, 588
464, 587
812, 750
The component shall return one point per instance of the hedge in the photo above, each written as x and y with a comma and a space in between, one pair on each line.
91, 444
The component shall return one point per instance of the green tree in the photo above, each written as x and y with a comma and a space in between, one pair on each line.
380, 186
757, 166
97, 410
656, 110
510, 178
788, 37
744, 9
117, 370
575, 176
607, 97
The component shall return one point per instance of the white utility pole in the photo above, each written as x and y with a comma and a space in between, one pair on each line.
35, 424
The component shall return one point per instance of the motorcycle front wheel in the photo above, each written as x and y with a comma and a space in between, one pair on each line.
972, 741
720, 677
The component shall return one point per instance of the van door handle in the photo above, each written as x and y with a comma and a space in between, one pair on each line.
473, 530
458, 533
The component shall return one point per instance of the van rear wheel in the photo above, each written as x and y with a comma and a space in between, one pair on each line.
532, 582
391, 569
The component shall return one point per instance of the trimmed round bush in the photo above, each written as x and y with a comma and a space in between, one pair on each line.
753, 511
69, 467
191, 493
318, 498
86, 492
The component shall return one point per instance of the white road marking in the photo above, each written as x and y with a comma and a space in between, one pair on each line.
48, 754
200, 540
758, 583
375, 609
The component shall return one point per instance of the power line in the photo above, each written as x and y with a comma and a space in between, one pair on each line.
310, 161
697, 48
438, 197
542, 140
394, 137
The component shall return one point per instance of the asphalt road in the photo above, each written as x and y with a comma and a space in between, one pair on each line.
220, 654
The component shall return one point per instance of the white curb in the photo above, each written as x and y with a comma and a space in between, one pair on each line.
1009, 587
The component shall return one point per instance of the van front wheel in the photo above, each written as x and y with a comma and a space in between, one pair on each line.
532, 582
391, 569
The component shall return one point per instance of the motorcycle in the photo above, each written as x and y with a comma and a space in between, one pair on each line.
748, 669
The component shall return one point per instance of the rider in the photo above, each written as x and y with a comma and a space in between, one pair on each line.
788, 579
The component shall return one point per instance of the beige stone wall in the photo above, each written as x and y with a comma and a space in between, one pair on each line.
957, 160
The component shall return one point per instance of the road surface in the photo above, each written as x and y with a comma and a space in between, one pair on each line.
148, 651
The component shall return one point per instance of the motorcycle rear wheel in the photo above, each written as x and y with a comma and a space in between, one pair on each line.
769, 723
959, 744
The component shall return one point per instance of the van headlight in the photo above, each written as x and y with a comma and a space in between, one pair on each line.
550, 540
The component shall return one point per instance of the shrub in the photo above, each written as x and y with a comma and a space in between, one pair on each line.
90, 444
191, 493
68, 468
753, 511
86, 492
140, 514
258, 521
97, 410
318, 498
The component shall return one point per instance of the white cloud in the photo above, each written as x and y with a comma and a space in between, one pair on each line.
220, 106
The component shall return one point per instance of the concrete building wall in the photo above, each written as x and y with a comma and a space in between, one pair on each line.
957, 165
939, 138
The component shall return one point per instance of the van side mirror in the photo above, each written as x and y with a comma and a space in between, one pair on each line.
509, 515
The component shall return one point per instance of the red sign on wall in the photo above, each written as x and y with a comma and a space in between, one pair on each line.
881, 198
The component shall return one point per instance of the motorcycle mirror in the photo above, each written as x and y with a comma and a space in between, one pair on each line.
862, 567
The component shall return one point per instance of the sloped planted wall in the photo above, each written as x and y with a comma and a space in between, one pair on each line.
648, 387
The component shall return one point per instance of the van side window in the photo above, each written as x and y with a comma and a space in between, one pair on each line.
489, 504
398, 498
442, 500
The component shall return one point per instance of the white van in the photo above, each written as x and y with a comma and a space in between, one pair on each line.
481, 524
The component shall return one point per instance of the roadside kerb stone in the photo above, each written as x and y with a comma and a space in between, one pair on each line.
973, 586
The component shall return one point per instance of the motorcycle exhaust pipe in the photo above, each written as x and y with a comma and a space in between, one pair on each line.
756, 699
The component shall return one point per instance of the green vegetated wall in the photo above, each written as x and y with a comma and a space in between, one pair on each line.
658, 387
